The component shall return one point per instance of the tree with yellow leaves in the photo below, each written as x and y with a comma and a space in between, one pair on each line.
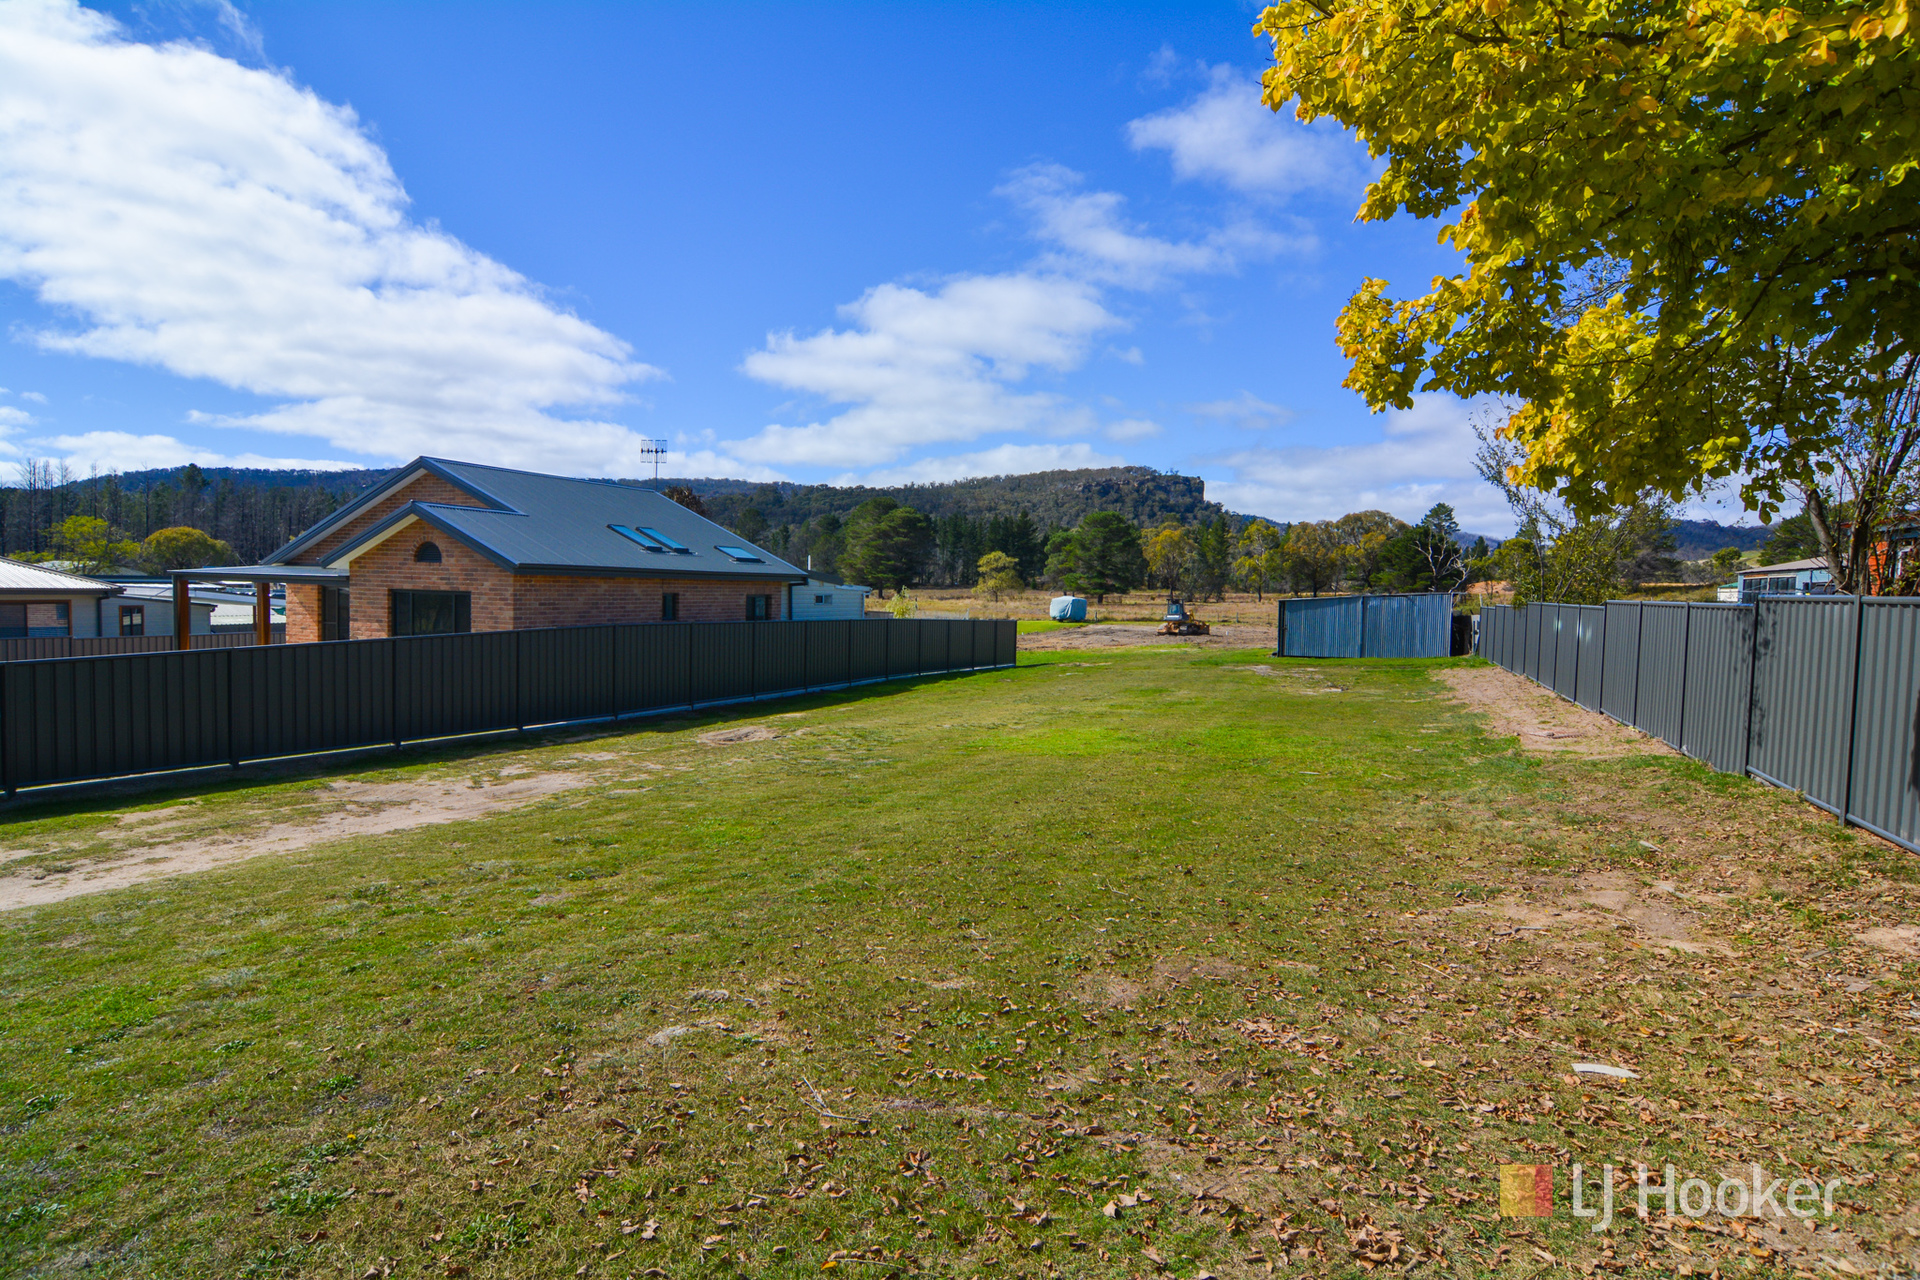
1691, 227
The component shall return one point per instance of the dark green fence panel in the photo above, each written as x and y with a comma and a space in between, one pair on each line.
722, 662
779, 657
868, 649
655, 667
289, 699
829, 648
69, 718
452, 684
567, 673
902, 647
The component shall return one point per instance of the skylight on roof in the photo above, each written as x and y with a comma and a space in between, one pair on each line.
741, 554
662, 538
634, 535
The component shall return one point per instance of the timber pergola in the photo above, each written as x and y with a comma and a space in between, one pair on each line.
262, 576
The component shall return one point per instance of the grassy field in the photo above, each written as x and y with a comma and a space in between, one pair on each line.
1176, 961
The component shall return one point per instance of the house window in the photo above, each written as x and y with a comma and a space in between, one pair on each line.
133, 619
335, 614
670, 606
63, 612
759, 608
826, 599
427, 553
13, 621
431, 613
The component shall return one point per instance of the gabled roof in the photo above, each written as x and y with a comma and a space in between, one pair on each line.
533, 523
1786, 566
19, 578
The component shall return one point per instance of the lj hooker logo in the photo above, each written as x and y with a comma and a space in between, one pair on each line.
1526, 1190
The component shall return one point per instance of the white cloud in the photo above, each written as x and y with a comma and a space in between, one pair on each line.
1005, 460
1094, 241
1226, 134
124, 451
1244, 410
1425, 456
217, 221
1132, 429
11, 417
921, 368
34, 396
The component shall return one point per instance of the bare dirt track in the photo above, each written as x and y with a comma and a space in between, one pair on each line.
1515, 706
1115, 635
366, 809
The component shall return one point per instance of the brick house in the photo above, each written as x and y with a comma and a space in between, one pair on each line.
454, 546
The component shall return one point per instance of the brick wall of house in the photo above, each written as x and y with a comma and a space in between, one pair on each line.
303, 614
391, 567
567, 601
427, 488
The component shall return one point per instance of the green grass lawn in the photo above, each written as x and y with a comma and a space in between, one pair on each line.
1122, 964
1031, 626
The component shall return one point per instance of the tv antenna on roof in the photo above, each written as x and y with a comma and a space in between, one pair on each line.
655, 449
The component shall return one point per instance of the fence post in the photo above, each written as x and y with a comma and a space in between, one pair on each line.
1639, 645
1853, 700
1686, 654
393, 690
1753, 676
233, 701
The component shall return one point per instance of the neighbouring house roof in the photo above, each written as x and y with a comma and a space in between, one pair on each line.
18, 578
1787, 566
821, 582
532, 523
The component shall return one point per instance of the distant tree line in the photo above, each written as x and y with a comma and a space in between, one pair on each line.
241, 516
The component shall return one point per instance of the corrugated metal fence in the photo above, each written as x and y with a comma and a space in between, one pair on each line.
1411, 626
1820, 694
32, 648
68, 719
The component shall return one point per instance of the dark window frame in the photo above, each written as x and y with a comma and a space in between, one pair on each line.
669, 606
759, 608
136, 615
427, 553
406, 610
336, 613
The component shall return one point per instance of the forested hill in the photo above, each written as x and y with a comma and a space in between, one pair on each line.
1698, 539
258, 510
1052, 498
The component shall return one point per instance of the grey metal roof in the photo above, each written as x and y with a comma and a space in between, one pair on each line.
18, 577
554, 524
263, 573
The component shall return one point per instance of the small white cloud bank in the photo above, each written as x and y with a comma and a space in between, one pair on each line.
1225, 134
1244, 410
1425, 455
1004, 460
181, 211
926, 367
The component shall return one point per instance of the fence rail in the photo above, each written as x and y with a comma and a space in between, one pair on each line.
36, 648
69, 719
1816, 694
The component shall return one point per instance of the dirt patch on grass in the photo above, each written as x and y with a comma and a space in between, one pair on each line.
1516, 707
366, 809
1656, 915
1903, 939
1115, 635
739, 733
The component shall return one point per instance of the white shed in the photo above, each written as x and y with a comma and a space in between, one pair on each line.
822, 599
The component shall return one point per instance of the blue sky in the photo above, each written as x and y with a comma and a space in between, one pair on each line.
822, 243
